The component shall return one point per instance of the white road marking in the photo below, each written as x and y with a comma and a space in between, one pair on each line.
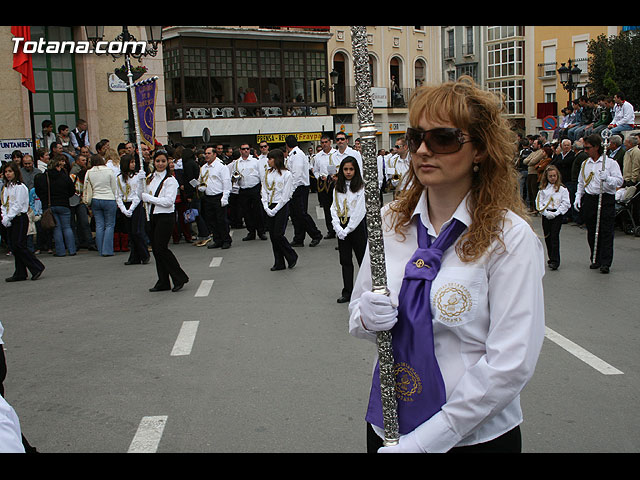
148, 436
576, 350
204, 288
215, 262
319, 212
186, 337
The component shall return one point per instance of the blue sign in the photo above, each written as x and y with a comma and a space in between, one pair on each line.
550, 122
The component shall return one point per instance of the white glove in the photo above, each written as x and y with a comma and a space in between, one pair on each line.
6, 222
202, 188
146, 198
576, 203
141, 174
128, 213
602, 175
270, 212
377, 312
224, 203
341, 234
406, 444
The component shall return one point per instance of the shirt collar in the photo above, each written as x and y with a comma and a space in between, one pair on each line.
462, 213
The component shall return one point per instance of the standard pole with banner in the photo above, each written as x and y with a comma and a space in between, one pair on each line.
364, 104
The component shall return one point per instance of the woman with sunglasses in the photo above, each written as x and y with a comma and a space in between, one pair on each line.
459, 253
594, 178
347, 217
159, 194
552, 202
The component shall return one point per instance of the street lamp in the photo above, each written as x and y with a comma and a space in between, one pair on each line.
333, 77
569, 77
95, 34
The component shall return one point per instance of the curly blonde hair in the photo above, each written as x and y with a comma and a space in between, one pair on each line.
495, 187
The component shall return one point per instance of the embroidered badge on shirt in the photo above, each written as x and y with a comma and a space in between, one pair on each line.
452, 300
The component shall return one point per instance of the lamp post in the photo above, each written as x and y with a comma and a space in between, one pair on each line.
569, 77
333, 76
128, 46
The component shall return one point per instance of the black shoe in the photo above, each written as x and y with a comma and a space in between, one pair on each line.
297, 244
274, 268
92, 249
343, 299
262, 236
293, 264
37, 275
131, 263
146, 260
14, 279
604, 269
594, 266
178, 286
226, 245
159, 289
553, 266
214, 245
251, 236
315, 242
329, 235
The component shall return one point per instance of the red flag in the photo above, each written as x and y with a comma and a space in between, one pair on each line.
22, 62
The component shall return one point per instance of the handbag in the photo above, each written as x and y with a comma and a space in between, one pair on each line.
74, 200
47, 220
87, 191
190, 215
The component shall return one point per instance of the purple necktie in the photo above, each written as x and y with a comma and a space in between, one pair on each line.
420, 389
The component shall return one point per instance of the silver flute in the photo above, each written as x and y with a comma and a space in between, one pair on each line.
606, 133
367, 134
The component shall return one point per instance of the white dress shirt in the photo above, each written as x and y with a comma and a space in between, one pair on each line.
400, 166
589, 177
249, 170
623, 114
263, 166
10, 434
277, 188
166, 200
15, 201
488, 348
548, 200
298, 163
217, 178
128, 190
322, 161
349, 152
349, 204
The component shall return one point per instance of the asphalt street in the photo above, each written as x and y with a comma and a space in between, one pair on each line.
248, 360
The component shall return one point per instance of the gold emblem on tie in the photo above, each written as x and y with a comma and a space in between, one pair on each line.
420, 263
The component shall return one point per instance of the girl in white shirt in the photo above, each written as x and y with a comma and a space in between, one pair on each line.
15, 204
552, 202
347, 217
129, 182
276, 193
465, 340
159, 194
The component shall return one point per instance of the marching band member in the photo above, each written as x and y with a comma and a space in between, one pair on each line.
15, 204
128, 190
325, 180
343, 150
589, 179
246, 172
276, 192
348, 212
552, 202
159, 194
397, 166
215, 188
459, 252
263, 161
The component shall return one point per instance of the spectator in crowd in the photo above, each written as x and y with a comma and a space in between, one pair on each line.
80, 135
42, 159
603, 115
623, 115
532, 161
100, 193
64, 139
46, 136
54, 187
616, 150
80, 219
28, 171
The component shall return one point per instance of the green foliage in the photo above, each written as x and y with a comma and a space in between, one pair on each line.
614, 66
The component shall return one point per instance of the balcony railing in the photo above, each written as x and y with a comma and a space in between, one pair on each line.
547, 70
345, 97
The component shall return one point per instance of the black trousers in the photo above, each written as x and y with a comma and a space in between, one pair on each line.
215, 216
167, 266
589, 209
551, 229
251, 209
510, 442
325, 199
354, 243
134, 226
24, 260
282, 249
302, 222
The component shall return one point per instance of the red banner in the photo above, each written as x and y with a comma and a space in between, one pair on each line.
22, 62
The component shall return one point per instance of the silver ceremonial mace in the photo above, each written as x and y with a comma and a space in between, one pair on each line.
606, 133
367, 133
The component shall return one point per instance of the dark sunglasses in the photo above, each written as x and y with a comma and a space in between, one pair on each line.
438, 140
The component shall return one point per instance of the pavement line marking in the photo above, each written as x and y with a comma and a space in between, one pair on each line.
204, 288
148, 436
319, 212
576, 350
186, 337
215, 262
